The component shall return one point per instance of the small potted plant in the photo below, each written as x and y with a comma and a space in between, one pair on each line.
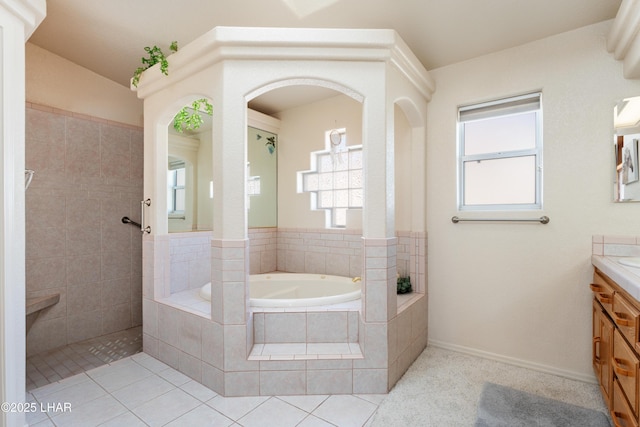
404, 285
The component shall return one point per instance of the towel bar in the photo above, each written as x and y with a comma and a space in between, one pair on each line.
543, 219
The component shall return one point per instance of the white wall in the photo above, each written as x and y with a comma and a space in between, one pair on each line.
56, 82
520, 291
302, 131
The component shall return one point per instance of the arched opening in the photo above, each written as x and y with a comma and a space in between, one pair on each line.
308, 114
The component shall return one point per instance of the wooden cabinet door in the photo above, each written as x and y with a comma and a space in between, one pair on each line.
625, 366
602, 349
621, 414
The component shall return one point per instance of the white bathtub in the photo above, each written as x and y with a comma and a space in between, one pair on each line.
297, 290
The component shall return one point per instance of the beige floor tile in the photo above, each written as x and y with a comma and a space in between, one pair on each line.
273, 412
166, 408
203, 415
345, 410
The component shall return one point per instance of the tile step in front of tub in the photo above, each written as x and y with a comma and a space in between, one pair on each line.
306, 351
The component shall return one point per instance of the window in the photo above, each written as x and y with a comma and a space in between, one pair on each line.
500, 154
175, 188
335, 178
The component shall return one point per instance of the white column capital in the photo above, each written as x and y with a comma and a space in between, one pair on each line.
624, 38
30, 12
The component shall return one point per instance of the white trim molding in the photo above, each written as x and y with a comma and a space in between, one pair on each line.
591, 379
18, 20
30, 12
624, 38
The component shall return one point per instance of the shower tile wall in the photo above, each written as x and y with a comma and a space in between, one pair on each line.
88, 176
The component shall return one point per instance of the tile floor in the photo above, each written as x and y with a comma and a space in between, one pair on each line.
141, 391
54, 365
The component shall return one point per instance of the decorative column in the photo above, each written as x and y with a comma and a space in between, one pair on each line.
230, 245
18, 20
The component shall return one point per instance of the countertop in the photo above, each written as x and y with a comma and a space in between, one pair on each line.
627, 277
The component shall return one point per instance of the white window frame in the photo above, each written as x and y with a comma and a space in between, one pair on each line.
173, 187
531, 102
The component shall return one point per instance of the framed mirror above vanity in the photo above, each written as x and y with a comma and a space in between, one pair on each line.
626, 135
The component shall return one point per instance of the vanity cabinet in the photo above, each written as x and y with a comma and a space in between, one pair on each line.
616, 348
602, 349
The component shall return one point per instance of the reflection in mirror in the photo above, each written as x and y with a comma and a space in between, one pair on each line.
262, 182
184, 170
190, 175
626, 119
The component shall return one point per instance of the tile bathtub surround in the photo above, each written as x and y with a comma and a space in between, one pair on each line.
615, 245
336, 252
323, 251
263, 250
339, 252
190, 260
88, 175
190, 256
247, 353
306, 327
294, 246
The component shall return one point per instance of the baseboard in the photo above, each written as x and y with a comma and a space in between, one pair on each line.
591, 379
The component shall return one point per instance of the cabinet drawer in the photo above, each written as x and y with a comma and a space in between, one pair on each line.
602, 291
625, 316
625, 366
621, 414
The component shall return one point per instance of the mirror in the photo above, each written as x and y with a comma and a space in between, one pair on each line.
190, 175
626, 119
262, 181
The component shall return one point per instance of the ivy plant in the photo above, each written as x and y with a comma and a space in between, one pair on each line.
156, 56
191, 120
184, 119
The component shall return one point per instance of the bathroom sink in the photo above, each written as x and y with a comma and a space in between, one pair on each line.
630, 261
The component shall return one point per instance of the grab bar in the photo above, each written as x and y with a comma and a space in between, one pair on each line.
543, 219
144, 229
126, 220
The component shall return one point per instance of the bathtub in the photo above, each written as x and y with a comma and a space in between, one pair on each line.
296, 290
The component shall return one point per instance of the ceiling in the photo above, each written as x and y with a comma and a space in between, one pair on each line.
108, 37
